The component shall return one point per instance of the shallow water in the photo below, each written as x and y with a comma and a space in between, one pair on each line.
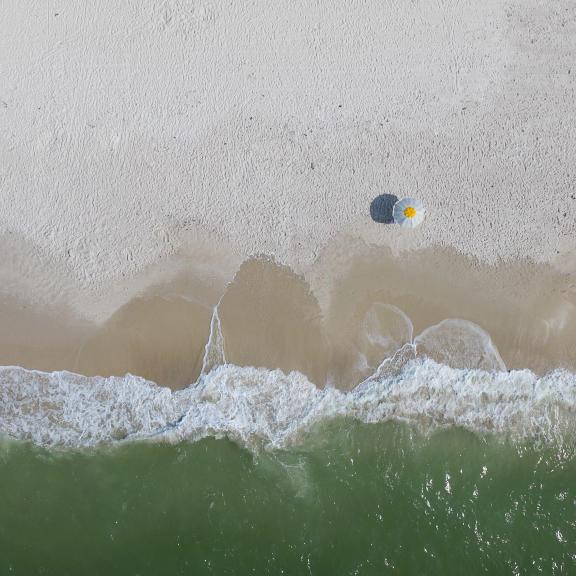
351, 499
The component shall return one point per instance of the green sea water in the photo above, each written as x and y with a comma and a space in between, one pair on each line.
350, 499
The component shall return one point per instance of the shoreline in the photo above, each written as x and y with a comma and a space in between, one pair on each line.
318, 323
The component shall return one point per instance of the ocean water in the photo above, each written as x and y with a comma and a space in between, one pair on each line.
389, 451
351, 498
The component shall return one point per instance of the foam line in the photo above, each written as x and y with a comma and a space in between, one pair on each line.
267, 408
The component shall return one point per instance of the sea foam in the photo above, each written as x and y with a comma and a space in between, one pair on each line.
267, 408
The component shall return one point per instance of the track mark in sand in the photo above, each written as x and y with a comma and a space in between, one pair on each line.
449, 31
185, 17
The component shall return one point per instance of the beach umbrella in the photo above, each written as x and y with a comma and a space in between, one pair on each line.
408, 212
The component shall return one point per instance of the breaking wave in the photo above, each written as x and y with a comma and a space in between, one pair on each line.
261, 408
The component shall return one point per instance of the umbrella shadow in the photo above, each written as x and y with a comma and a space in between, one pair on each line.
381, 208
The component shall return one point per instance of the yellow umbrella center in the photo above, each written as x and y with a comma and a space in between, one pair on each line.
409, 212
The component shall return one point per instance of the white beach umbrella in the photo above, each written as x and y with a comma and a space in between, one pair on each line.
408, 212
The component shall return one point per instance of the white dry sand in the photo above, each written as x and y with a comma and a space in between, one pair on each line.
134, 131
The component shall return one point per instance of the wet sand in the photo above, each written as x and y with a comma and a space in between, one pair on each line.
335, 323
528, 310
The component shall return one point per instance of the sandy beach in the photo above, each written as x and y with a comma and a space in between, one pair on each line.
134, 135
148, 152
